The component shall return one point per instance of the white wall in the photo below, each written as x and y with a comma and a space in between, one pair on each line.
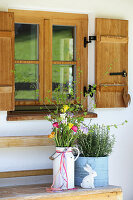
121, 160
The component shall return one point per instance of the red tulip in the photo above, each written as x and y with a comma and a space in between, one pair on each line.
74, 128
56, 125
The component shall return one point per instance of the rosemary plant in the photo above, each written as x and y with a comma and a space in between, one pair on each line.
98, 142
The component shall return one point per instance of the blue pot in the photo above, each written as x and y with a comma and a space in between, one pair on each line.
98, 164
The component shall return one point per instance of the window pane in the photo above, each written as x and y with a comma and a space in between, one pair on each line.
64, 43
26, 81
62, 81
26, 42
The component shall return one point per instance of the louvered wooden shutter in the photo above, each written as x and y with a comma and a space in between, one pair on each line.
111, 56
6, 61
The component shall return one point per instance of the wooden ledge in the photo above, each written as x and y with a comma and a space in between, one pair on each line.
25, 141
24, 173
38, 192
30, 115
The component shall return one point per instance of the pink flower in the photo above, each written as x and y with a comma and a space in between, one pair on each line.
56, 125
74, 128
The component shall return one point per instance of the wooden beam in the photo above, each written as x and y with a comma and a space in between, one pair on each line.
39, 172
25, 141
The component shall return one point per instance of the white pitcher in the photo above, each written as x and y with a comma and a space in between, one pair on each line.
63, 167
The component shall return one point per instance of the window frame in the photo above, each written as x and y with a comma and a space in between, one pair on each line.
48, 77
46, 20
39, 62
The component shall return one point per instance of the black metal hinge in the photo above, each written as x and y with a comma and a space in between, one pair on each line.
91, 90
90, 39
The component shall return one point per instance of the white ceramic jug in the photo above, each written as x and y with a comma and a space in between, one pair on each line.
63, 167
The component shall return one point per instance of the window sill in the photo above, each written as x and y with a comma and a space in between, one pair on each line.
30, 115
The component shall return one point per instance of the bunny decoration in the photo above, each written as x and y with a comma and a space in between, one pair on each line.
88, 181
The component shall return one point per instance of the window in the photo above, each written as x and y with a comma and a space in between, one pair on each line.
26, 62
47, 56
49, 53
63, 51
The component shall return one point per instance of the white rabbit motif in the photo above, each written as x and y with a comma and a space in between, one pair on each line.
88, 181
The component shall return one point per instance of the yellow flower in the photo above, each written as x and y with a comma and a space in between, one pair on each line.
51, 135
70, 125
65, 108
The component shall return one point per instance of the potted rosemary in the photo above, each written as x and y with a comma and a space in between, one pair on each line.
95, 145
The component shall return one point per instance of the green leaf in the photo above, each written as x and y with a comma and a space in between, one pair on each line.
85, 113
115, 126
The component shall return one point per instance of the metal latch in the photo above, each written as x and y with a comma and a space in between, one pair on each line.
90, 39
123, 73
91, 90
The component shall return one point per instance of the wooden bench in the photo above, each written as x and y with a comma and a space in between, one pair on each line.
25, 141
38, 192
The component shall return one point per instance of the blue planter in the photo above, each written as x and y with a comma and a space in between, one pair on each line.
98, 164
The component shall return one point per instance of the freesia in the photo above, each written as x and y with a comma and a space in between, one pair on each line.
74, 128
65, 108
65, 125
51, 135
70, 114
84, 129
70, 125
49, 116
56, 125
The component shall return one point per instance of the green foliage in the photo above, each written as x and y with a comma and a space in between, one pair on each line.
98, 142
65, 126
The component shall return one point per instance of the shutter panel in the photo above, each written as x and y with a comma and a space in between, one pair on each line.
111, 56
6, 61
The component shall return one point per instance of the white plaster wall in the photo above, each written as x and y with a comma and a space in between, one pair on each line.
121, 160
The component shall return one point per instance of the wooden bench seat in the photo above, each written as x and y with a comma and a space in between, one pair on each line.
38, 192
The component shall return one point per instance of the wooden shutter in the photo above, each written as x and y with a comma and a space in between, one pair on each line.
111, 56
6, 61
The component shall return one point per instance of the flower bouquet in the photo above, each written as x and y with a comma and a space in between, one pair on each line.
65, 131
65, 126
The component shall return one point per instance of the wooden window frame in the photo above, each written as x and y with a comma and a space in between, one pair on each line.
46, 20
39, 62
49, 61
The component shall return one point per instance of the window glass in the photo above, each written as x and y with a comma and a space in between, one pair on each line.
26, 41
26, 82
64, 43
63, 77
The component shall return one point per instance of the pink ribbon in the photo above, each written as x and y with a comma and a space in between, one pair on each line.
61, 168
